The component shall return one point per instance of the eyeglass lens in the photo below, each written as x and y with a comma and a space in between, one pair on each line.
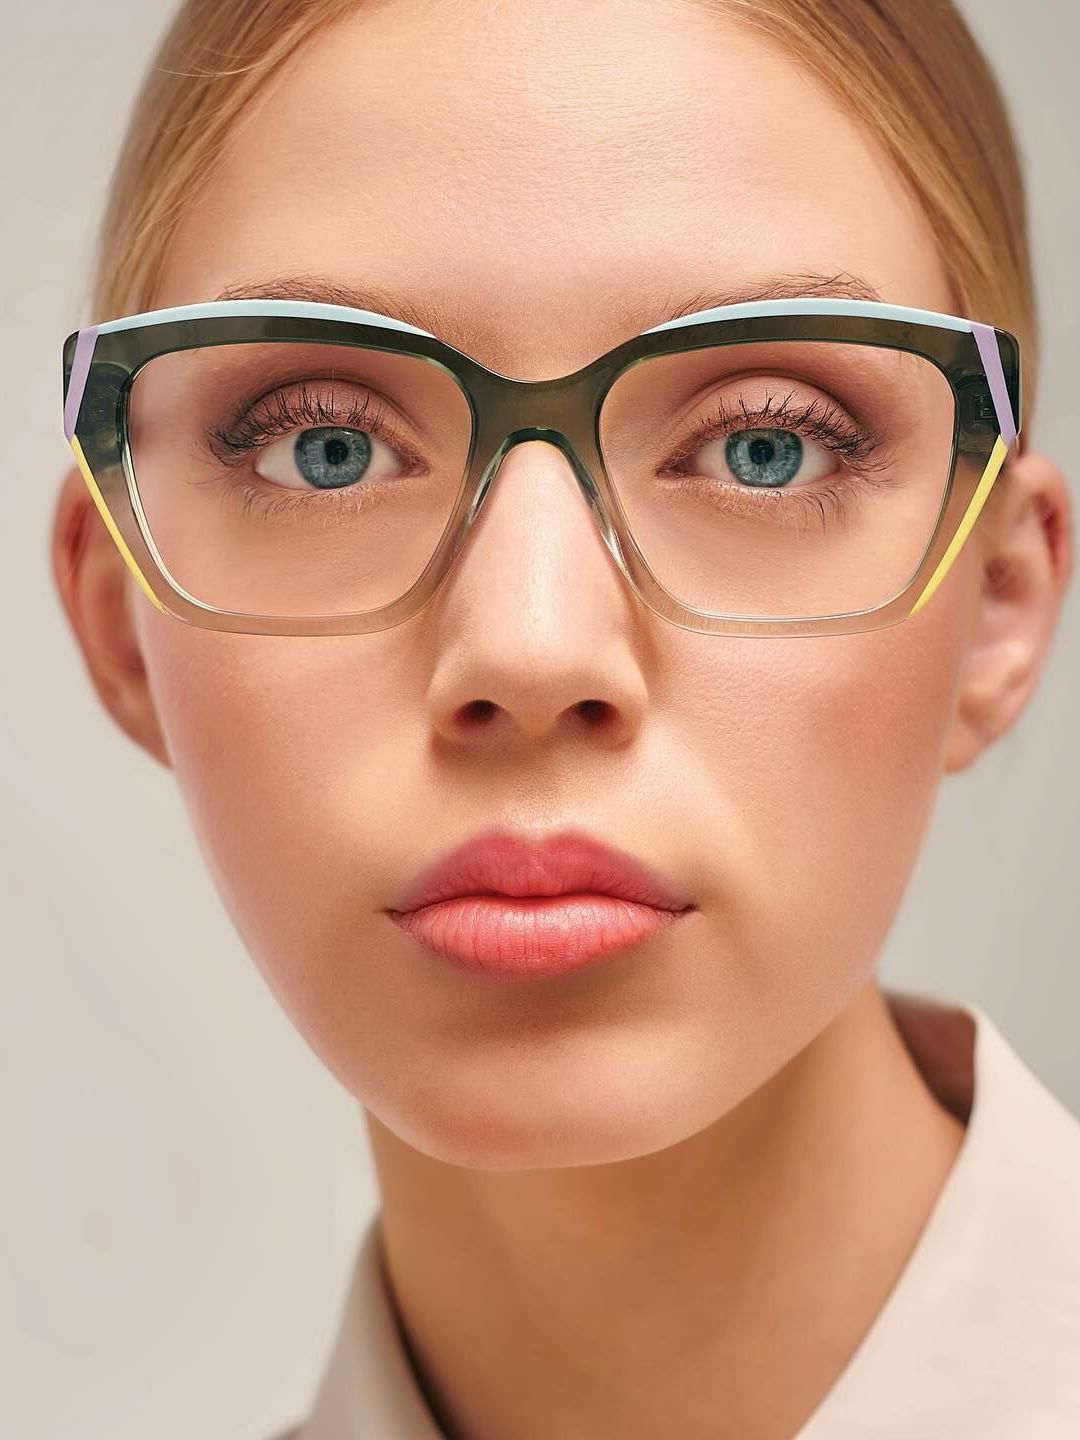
774, 480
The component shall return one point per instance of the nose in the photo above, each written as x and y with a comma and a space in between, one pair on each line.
535, 623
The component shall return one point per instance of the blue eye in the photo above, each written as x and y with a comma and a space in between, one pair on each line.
329, 456
767, 458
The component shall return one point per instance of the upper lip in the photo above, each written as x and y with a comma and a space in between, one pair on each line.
500, 862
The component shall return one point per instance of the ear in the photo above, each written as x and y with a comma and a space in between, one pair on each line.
1025, 565
97, 591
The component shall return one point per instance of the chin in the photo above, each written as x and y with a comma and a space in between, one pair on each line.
563, 1119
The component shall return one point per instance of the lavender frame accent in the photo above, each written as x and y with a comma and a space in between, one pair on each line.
986, 339
980, 362
80, 368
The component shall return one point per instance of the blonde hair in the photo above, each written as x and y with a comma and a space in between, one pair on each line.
908, 69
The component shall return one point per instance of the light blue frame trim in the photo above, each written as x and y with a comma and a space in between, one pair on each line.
875, 310
302, 309
967, 351
316, 310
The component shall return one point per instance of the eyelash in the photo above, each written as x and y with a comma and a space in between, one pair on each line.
282, 412
818, 420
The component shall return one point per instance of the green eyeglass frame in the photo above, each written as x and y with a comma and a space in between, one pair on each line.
100, 363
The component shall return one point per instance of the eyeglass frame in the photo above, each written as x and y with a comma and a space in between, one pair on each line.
100, 363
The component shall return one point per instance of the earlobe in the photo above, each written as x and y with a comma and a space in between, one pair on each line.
94, 586
1026, 558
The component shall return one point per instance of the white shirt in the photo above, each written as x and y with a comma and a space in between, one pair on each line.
979, 1337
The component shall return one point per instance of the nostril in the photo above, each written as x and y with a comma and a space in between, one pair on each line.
478, 711
593, 712
596, 712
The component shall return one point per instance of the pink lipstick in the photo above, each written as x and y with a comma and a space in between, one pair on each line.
513, 907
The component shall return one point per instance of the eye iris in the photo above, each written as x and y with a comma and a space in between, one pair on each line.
764, 457
330, 456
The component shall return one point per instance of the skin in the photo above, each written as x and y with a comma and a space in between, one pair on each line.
702, 1166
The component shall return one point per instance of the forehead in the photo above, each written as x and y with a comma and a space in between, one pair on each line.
548, 180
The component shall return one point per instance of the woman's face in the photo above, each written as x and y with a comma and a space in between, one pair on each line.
552, 182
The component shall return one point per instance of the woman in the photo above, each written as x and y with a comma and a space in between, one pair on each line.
663, 1157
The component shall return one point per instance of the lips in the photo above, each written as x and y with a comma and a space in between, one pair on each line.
511, 908
567, 862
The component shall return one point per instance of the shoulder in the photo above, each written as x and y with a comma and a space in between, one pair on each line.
995, 1294
1026, 1139
1024, 1190
981, 1332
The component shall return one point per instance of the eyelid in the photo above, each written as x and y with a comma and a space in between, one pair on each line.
834, 429
233, 443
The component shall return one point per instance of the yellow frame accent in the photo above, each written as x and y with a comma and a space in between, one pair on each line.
103, 511
978, 500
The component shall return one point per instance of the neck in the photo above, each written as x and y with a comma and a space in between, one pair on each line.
729, 1275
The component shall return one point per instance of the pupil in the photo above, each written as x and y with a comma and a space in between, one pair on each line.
765, 457
332, 456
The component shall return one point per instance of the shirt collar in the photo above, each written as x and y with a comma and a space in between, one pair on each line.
962, 1343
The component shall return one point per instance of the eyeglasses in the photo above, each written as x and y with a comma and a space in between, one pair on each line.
806, 467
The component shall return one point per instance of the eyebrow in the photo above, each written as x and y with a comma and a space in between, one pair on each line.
453, 323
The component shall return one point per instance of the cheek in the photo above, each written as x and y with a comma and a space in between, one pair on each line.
826, 754
794, 777
281, 749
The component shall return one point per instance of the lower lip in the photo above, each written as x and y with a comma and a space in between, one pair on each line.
531, 936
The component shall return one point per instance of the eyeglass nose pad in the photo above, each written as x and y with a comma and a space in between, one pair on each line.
592, 492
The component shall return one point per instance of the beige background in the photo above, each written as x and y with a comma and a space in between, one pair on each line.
182, 1183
